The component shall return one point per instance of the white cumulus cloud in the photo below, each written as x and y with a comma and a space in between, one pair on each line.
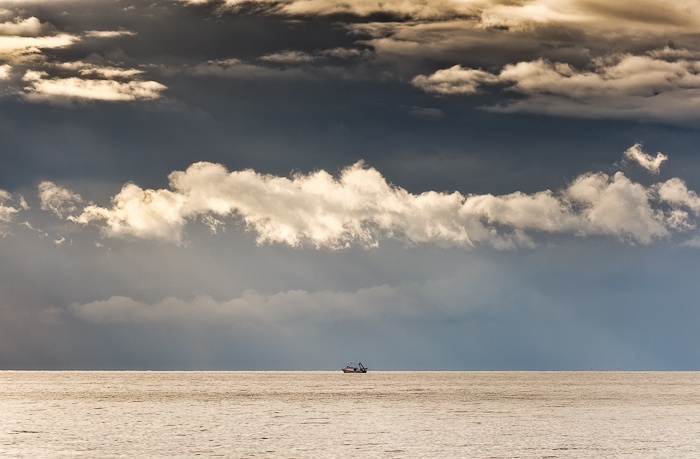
29, 27
675, 192
6, 210
140, 213
652, 164
359, 207
59, 200
616, 205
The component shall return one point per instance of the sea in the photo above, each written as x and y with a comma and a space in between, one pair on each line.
329, 414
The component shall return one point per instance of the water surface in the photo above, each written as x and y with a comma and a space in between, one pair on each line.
331, 414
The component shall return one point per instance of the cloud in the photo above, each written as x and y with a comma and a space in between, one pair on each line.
10, 205
140, 213
671, 53
491, 13
427, 112
109, 33
619, 86
288, 57
42, 88
6, 211
675, 192
454, 80
588, 19
23, 37
30, 27
19, 45
616, 205
23, 42
653, 165
344, 53
596, 14
423, 9
401, 302
550, 57
360, 207
494, 30
286, 65
525, 14
101, 71
252, 306
693, 243
60, 201
235, 68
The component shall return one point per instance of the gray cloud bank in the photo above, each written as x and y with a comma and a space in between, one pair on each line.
359, 207
379, 302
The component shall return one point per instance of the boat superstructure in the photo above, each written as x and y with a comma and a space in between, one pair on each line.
358, 369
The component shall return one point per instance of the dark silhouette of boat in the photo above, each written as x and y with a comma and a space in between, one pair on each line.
358, 369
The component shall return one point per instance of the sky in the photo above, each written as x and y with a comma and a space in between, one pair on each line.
300, 184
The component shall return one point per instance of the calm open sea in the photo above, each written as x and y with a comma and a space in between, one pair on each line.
330, 414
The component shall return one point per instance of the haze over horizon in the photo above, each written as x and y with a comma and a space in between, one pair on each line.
296, 184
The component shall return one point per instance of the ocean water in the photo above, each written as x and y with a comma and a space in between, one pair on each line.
330, 414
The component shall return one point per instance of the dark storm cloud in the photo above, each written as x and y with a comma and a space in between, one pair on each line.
346, 96
175, 45
570, 41
524, 42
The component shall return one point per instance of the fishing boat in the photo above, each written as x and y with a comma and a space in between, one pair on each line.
358, 369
